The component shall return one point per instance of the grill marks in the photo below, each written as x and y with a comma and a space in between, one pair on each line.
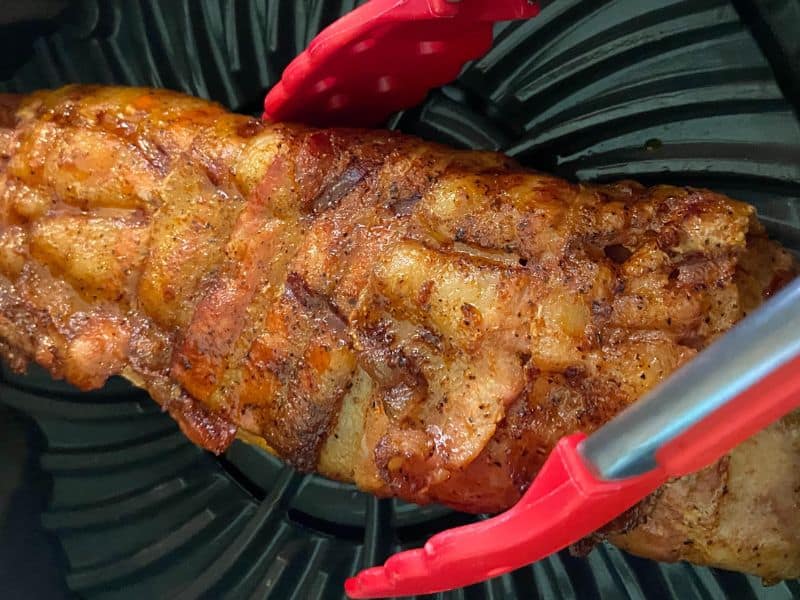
291, 365
256, 292
301, 366
322, 310
221, 313
333, 192
264, 345
298, 363
296, 371
328, 170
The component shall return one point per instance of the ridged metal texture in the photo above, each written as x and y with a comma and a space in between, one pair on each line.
662, 90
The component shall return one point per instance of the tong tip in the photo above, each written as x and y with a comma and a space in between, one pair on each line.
401, 570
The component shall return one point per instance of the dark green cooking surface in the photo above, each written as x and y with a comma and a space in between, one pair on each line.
698, 91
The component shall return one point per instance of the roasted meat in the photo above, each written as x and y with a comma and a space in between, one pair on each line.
422, 321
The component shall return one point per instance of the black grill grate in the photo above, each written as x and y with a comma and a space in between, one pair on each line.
662, 91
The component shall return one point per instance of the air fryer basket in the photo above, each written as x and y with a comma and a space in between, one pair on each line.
697, 92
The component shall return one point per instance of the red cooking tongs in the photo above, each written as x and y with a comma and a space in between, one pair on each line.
738, 386
385, 56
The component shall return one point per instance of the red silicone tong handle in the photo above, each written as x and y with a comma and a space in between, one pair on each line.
385, 56
565, 503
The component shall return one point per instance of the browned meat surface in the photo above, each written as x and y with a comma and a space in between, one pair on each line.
424, 322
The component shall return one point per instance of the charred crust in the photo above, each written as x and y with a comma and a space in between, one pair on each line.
216, 171
403, 207
400, 380
65, 114
339, 187
155, 154
431, 338
319, 306
601, 309
405, 460
617, 253
471, 316
298, 438
207, 428
149, 147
